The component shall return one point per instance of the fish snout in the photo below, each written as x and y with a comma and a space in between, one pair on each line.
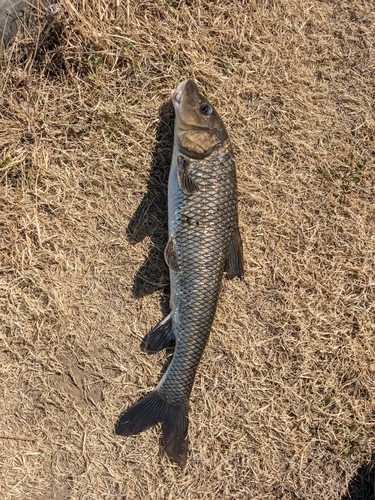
177, 93
187, 87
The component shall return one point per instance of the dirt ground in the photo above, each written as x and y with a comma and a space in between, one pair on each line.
284, 403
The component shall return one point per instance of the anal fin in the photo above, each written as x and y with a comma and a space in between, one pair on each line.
234, 266
171, 256
160, 337
186, 182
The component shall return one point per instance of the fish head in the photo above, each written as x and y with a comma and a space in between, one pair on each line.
198, 127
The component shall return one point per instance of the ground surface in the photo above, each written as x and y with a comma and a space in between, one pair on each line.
283, 406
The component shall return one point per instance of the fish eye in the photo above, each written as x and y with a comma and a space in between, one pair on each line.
206, 109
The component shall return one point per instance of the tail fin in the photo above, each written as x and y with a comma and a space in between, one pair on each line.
152, 409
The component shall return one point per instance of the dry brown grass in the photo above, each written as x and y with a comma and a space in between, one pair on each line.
283, 405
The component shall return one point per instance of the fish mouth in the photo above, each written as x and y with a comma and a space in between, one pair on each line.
177, 93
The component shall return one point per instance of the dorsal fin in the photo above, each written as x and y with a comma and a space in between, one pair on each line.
235, 265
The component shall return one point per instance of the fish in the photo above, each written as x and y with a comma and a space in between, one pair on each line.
204, 242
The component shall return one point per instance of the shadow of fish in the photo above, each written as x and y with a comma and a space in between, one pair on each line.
204, 240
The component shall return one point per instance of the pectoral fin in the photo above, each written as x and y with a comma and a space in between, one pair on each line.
171, 256
234, 266
186, 182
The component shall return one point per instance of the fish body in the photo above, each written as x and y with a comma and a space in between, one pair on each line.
204, 240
